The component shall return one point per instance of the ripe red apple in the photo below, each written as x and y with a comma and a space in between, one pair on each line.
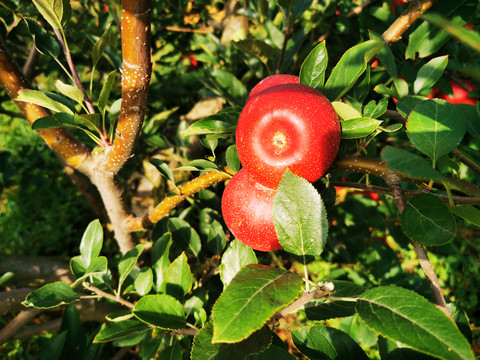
287, 126
461, 90
273, 80
247, 209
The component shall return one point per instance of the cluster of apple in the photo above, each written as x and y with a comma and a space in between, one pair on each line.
284, 124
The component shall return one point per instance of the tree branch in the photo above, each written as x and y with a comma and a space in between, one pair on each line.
14, 326
395, 184
170, 202
107, 295
137, 69
404, 21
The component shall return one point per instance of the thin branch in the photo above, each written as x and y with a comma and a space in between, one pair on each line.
170, 202
404, 21
285, 41
360, 8
12, 300
14, 326
395, 183
320, 292
379, 168
108, 296
31, 59
61, 141
207, 30
137, 69
466, 160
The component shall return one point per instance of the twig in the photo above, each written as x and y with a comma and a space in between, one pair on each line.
322, 291
404, 21
284, 46
466, 160
360, 8
395, 183
14, 326
32, 57
108, 296
73, 70
170, 202
207, 30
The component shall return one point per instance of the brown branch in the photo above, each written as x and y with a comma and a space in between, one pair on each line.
360, 8
137, 69
404, 21
107, 295
379, 168
466, 160
59, 140
207, 30
12, 300
170, 202
31, 59
395, 184
14, 326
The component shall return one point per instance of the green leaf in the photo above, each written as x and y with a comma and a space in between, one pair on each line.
41, 99
467, 212
223, 122
235, 258
144, 281
374, 110
101, 45
434, 129
347, 71
90, 121
385, 56
92, 242
51, 295
160, 260
471, 116
257, 48
226, 85
406, 104
345, 111
410, 164
254, 295
404, 316
105, 92
324, 310
322, 342
127, 263
312, 72
233, 161
162, 311
70, 91
179, 278
216, 238
56, 12
467, 36
299, 216
45, 44
163, 168
204, 349
117, 330
429, 73
427, 220
98, 265
185, 238
46, 122
359, 127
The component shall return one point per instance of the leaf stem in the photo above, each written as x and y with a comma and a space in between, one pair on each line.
106, 295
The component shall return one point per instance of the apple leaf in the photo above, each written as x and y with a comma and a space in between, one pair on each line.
253, 296
179, 279
51, 295
223, 122
402, 315
163, 311
312, 72
467, 212
427, 220
350, 67
128, 262
234, 258
299, 216
56, 12
322, 342
358, 127
204, 349
119, 329
433, 128
429, 73
160, 260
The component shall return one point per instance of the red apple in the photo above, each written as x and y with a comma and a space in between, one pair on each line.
247, 209
270, 81
287, 126
461, 90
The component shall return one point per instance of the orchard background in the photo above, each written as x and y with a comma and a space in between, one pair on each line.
117, 129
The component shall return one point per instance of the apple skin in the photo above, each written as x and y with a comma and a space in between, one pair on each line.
461, 90
247, 209
270, 81
287, 126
